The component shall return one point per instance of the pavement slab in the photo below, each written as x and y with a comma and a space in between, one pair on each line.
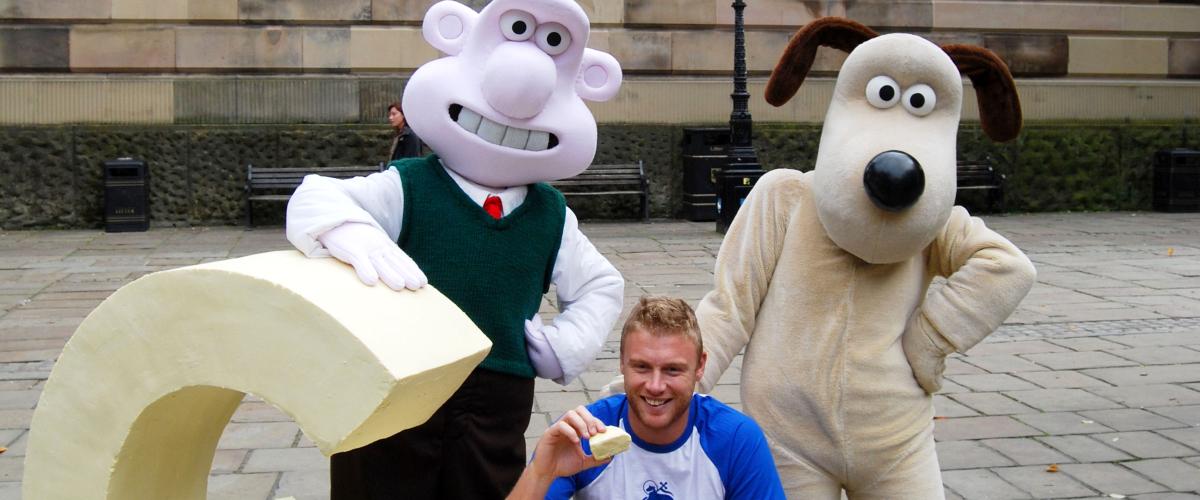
1077, 360
1110, 478
1052, 400
1004, 363
981, 483
1187, 415
1041, 484
991, 403
945, 407
1143, 396
1174, 474
1189, 436
953, 429
1064, 379
989, 382
1159, 355
1145, 444
1130, 419
1144, 375
969, 455
1107, 345
1026, 451
1085, 449
241, 486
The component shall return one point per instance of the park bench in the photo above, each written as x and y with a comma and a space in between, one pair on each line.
609, 180
277, 184
981, 176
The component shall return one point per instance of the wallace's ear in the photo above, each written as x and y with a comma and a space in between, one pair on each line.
446, 26
599, 76
999, 105
837, 32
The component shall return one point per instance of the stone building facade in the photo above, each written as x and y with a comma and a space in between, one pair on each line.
201, 87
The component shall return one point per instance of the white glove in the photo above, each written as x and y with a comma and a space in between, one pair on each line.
373, 255
541, 354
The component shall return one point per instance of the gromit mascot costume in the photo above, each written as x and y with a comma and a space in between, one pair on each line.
823, 275
503, 112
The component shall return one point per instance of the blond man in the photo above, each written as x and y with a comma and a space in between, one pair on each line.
685, 445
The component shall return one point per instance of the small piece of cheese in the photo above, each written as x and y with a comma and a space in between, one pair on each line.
610, 442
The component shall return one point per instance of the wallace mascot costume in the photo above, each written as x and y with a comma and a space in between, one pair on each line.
503, 112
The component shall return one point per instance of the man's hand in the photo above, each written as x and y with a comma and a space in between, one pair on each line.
373, 256
559, 453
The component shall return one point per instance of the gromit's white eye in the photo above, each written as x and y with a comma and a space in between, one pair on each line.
920, 99
553, 38
882, 92
517, 25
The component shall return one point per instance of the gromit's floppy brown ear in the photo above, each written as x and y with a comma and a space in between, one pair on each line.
837, 32
999, 106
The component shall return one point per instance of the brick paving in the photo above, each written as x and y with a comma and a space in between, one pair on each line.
1097, 373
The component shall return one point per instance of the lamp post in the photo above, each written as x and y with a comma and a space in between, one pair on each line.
743, 169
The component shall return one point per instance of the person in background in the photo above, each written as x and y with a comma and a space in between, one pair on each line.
685, 445
406, 144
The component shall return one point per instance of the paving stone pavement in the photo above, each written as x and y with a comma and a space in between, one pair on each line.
1097, 373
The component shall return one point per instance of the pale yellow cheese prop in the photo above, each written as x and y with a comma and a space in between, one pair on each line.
610, 442
136, 403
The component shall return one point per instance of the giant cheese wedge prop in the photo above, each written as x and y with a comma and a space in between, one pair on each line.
136, 403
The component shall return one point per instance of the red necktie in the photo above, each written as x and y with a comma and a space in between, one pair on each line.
493, 206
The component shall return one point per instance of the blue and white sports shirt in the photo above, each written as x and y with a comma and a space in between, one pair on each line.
721, 454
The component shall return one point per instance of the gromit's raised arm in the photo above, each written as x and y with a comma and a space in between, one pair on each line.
986, 278
743, 271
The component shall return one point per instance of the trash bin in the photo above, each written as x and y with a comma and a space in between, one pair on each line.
703, 155
126, 205
733, 187
1177, 180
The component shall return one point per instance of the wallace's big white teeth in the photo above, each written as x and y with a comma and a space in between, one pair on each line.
656, 402
491, 131
538, 141
469, 120
515, 137
495, 133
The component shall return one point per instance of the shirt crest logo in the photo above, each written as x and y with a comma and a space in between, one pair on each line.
656, 491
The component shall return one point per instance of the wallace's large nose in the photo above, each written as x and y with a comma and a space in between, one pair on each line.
894, 180
518, 79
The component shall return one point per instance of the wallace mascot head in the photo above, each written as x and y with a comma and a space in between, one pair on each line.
505, 107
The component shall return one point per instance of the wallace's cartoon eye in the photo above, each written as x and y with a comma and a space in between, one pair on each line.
553, 38
920, 99
517, 25
883, 92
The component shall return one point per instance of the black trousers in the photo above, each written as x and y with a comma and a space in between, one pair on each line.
473, 447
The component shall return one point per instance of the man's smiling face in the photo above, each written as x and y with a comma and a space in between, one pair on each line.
661, 372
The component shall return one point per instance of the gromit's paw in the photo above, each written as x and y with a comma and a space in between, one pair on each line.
926, 357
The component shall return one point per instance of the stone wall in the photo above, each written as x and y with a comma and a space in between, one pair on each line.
251, 61
667, 37
52, 176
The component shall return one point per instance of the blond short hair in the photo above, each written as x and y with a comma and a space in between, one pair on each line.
663, 316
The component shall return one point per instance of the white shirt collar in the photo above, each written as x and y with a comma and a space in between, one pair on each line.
510, 198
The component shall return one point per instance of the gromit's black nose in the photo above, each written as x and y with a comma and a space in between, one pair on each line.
894, 180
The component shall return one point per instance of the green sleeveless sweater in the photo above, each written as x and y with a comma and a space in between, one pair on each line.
494, 270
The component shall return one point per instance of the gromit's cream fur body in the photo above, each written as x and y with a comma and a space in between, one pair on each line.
828, 288
824, 373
